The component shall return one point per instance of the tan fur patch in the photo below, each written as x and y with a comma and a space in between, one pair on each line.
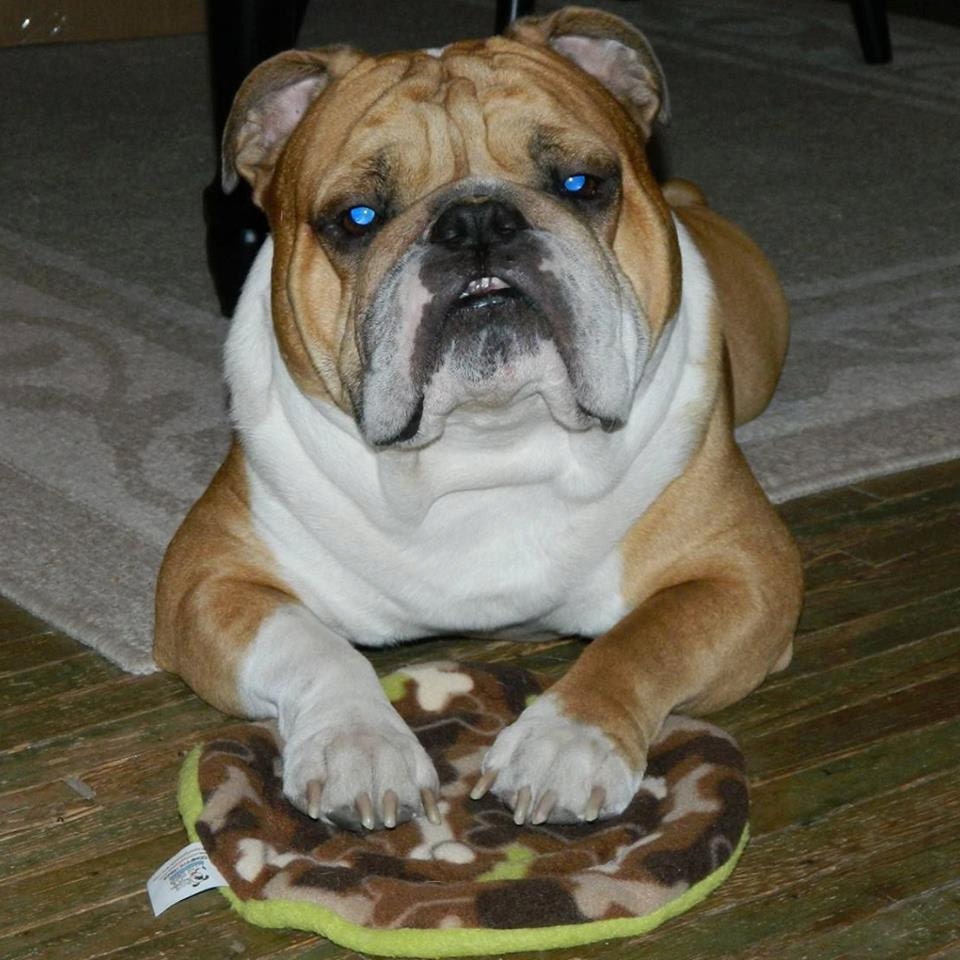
216, 586
715, 582
750, 305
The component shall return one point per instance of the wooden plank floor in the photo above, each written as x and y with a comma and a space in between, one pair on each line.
854, 755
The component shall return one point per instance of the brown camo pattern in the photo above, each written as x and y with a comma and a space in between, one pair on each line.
477, 869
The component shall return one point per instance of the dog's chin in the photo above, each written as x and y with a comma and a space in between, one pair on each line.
490, 362
499, 408
483, 337
503, 406
496, 371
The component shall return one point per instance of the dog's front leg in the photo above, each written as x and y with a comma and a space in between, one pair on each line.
348, 756
238, 635
579, 752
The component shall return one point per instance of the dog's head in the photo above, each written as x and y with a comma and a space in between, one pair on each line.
467, 230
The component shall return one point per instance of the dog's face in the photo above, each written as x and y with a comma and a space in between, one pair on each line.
471, 232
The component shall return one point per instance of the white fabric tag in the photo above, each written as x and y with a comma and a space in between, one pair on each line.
184, 874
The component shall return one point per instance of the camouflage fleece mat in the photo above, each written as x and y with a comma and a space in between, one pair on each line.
477, 883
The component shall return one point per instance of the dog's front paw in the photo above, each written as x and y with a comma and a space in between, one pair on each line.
367, 772
547, 767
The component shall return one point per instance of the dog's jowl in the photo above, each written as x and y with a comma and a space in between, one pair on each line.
484, 379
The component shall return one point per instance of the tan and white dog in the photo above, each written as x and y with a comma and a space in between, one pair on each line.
484, 380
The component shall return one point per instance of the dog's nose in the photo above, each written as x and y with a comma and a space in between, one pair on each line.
477, 222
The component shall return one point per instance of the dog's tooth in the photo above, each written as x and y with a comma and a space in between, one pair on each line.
483, 285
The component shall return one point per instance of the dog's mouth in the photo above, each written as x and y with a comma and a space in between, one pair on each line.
484, 287
484, 301
482, 333
489, 310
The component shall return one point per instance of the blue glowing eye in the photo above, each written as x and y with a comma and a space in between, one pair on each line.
362, 216
575, 183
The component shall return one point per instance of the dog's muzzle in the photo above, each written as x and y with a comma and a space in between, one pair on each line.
488, 306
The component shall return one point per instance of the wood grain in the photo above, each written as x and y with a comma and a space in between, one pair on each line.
854, 756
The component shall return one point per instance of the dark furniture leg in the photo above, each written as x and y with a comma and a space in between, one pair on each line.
240, 34
509, 10
870, 16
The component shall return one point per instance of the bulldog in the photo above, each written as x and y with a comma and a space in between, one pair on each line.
484, 381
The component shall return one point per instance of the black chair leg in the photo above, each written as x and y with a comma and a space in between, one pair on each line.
240, 34
510, 10
870, 16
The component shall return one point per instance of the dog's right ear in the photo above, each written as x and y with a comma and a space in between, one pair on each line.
269, 105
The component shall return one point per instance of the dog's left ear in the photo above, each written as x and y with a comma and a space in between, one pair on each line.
609, 49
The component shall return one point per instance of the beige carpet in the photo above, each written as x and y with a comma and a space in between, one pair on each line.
112, 408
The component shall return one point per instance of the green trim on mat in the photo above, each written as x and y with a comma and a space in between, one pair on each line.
457, 942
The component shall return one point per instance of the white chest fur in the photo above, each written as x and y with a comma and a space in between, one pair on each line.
508, 525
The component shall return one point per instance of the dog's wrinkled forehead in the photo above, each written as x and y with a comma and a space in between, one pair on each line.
313, 110
405, 124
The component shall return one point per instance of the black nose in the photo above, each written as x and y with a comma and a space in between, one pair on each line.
477, 222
